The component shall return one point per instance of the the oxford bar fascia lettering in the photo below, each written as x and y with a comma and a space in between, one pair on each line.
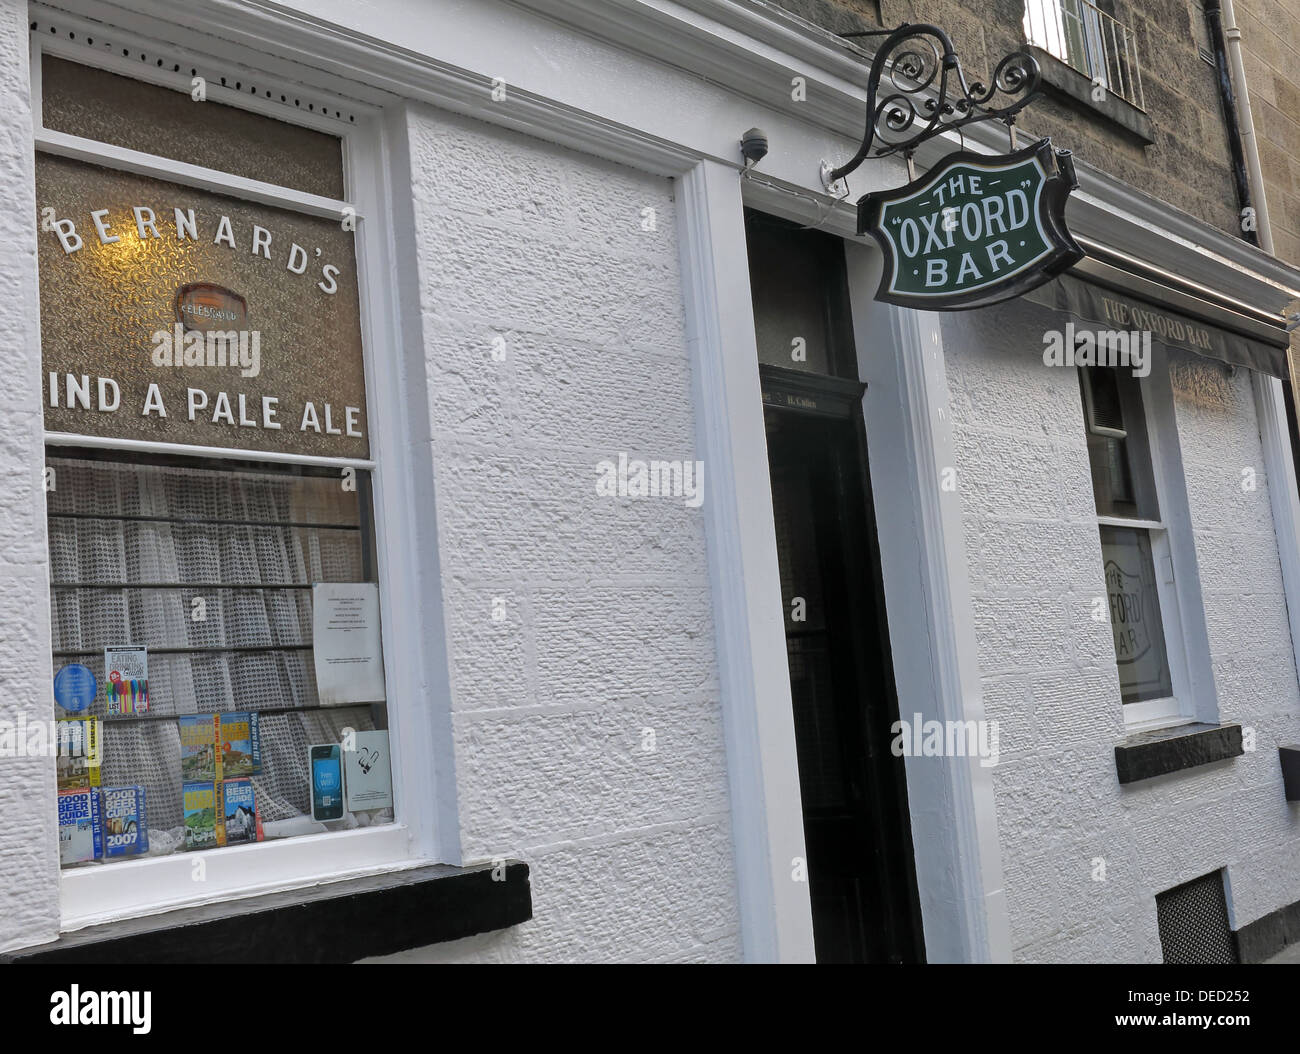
1165, 327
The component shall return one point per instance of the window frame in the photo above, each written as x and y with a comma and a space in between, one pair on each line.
150, 885
1172, 554
1053, 19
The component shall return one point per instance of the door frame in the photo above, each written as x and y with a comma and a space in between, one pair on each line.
936, 672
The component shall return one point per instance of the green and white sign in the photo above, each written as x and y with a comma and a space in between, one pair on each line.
975, 230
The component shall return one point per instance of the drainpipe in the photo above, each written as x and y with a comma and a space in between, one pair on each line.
1236, 114
1249, 144
1274, 399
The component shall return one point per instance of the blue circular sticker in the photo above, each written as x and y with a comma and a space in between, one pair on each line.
75, 687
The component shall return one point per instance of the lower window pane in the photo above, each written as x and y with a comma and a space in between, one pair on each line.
1134, 600
208, 567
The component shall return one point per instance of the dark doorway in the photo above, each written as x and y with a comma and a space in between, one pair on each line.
857, 831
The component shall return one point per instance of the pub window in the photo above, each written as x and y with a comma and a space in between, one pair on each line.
215, 603
1135, 546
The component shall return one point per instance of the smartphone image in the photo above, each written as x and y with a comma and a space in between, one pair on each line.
326, 782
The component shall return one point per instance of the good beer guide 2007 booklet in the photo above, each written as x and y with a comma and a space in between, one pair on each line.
126, 832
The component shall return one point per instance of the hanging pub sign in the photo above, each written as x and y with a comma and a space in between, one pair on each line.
174, 314
974, 230
977, 228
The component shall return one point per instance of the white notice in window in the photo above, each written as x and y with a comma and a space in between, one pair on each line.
345, 629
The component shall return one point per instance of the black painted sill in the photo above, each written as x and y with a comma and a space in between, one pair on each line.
339, 922
1157, 753
1067, 83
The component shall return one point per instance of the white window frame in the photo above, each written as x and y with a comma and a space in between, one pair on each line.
1045, 27
1173, 554
152, 885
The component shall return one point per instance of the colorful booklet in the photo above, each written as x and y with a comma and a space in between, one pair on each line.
241, 746
126, 832
77, 756
126, 680
80, 832
201, 808
200, 747
241, 820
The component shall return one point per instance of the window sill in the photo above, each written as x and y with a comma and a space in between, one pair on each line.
1161, 751
335, 923
1065, 82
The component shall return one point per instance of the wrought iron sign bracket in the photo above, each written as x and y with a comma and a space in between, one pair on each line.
927, 94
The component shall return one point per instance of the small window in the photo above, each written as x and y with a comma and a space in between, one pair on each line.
1122, 480
1089, 39
1134, 544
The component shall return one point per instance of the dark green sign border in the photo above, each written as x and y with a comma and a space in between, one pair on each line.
1064, 252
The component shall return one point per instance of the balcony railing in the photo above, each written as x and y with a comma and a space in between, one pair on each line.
1083, 36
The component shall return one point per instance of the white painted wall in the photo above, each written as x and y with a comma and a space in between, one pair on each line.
608, 629
1047, 671
29, 840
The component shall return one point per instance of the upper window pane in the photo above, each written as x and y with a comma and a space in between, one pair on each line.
1118, 449
129, 272
95, 104
801, 297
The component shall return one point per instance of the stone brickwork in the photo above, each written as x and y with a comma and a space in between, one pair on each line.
1188, 164
1270, 43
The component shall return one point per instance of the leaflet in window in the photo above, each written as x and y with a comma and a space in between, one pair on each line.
201, 807
241, 822
78, 752
126, 829
80, 831
126, 680
345, 636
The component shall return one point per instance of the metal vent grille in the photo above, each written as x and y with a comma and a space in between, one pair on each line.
1194, 925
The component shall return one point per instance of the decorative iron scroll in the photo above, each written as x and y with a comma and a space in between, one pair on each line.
928, 94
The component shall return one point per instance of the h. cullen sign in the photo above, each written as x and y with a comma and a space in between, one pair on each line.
975, 230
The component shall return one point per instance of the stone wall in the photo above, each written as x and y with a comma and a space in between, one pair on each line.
1188, 164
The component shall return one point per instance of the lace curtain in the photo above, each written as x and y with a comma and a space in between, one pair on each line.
210, 568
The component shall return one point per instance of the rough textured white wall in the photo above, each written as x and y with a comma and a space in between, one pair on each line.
1047, 669
605, 636
29, 854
